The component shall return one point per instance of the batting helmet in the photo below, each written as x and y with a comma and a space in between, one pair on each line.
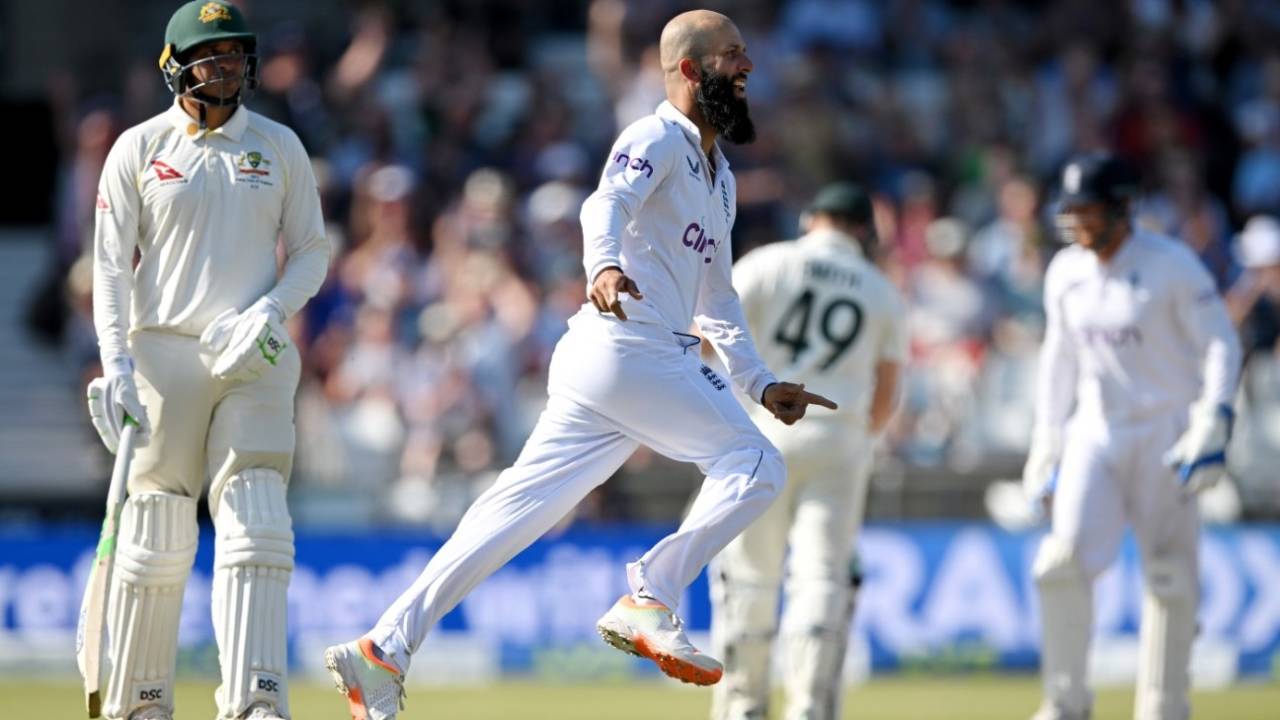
1097, 178
199, 22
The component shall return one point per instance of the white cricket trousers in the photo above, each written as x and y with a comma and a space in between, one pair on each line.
612, 385
1110, 475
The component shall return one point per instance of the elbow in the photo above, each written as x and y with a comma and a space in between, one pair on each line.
881, 416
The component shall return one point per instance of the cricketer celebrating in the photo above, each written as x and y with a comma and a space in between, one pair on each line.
825, 313
194, 349
1133, 413
656, 235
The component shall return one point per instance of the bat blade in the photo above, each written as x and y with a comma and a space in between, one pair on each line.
93, 606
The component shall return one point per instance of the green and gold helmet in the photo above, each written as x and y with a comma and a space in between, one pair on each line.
197, 23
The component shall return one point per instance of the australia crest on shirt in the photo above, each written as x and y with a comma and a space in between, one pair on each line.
253, 169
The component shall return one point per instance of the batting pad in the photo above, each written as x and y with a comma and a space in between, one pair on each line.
1164, 648
743, 623
252, 564
1066, 618
157, 545
814, 636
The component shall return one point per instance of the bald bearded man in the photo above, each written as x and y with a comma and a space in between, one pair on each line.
656, 235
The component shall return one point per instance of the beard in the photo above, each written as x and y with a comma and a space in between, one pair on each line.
727, 113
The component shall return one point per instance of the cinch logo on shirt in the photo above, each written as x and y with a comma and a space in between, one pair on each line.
1115, 337
164, 172
637, 163
695, 238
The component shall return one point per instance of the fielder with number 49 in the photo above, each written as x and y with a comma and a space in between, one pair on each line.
1133, 413
822, 310
193, 346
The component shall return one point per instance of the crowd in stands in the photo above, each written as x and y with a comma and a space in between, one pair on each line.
454, 144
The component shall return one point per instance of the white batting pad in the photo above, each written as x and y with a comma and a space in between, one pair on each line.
743, 624
1066, 618
814, 637
1167, 632
253, 561
157, 544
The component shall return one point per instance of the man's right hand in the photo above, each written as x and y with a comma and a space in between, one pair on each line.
110, 400
607, 289
1040, 474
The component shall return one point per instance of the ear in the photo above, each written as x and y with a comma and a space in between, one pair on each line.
689, 70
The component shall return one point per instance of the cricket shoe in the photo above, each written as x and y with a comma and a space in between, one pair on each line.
1048, 711
373, 686
151, 712
647, 628
261, 711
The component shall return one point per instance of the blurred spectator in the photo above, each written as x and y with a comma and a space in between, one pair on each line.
1254, 301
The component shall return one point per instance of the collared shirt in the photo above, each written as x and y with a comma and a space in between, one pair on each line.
1140, 337
659, 217
824, 316
204, 209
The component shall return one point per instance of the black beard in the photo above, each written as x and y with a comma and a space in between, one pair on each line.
724, 111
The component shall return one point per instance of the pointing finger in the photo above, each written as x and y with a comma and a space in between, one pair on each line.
816, 399
633, 289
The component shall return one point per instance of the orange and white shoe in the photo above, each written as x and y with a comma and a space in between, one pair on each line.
373, 686
647, 628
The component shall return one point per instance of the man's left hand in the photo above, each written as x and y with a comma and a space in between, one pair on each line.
788, 401
1200, 455
247, 344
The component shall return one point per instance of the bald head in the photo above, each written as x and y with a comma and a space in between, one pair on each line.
693, 34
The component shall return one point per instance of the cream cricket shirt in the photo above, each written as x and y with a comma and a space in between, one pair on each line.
825, 316
658, 215
205, 211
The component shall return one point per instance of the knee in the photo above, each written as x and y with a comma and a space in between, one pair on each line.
158, 536
252, 521
1058, 562
771, 470
1170, 579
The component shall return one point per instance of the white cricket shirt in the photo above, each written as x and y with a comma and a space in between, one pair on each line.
658, 216
825, 316
205, 211
1137, 338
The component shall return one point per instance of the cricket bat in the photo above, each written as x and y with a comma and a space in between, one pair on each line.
93, 606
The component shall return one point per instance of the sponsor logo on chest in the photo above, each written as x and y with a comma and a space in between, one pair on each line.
696, 239
1114, 337
165, 172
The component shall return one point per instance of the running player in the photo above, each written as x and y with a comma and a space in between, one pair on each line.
656, 236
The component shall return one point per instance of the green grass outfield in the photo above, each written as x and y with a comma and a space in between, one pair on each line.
912, 698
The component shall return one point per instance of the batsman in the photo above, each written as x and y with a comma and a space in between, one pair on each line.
193, 347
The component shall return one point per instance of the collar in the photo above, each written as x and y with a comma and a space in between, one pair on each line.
667, 111
233, 128
828, 237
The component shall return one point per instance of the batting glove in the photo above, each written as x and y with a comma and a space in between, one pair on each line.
1040, 474
112, 401
247, 344
1200, 455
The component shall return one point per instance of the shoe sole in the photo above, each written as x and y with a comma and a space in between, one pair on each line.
355, 699
670, 665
